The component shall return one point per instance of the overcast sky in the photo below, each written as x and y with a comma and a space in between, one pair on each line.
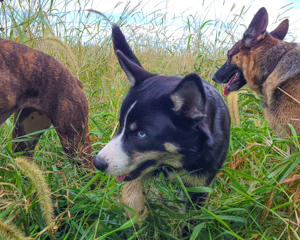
213, 9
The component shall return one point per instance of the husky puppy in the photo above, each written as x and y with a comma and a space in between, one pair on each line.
167, 124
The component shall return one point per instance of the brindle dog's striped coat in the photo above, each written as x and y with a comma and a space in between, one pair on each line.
40, 91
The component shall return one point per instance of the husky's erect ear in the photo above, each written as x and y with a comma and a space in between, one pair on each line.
189, 101
134, 72
281, 31
121, 44
128, 61
257, 29
189, 98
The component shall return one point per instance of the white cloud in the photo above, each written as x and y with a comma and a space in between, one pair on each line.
210, 10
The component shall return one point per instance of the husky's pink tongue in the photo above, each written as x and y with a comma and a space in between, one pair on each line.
232, 79
122, 177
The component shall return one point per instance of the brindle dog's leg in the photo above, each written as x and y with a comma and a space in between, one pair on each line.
133, 196
71, 124
3, 116
29, 120
75, 143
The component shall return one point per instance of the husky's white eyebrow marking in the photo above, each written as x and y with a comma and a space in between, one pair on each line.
125, 118
114, 153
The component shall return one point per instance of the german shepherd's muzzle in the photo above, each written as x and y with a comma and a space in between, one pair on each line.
270, 67
167, 124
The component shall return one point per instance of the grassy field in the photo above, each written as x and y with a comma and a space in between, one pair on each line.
254, 196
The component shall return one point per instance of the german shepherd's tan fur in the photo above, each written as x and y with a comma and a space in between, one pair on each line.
271, 67
41, 91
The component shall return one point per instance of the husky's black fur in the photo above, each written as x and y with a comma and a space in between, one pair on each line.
170, 121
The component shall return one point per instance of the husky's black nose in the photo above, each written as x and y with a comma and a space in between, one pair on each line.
100, 163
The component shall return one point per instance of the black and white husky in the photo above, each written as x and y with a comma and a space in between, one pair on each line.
167, 124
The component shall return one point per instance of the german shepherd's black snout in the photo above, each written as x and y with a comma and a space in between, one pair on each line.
214, 78
231, 75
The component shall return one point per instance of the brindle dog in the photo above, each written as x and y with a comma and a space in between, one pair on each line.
40, 92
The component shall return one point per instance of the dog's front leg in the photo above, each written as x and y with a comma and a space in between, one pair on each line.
133, 196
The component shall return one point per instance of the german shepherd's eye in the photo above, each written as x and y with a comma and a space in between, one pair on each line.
141, 134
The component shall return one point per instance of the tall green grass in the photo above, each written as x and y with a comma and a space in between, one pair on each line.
254, 196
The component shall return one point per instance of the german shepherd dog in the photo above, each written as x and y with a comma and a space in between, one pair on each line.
270, 67
40, 92
167, 124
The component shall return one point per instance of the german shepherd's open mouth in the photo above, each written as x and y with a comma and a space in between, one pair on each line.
231, 83
232, 76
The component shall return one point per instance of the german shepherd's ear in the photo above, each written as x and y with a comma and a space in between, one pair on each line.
257, 29
189, 98
281, 31
128, 61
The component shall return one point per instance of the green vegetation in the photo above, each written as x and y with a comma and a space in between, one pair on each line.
254, 196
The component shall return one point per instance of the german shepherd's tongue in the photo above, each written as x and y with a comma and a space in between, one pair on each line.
122, 177
232, 79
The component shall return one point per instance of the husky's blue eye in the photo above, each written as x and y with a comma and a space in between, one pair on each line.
141, 134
